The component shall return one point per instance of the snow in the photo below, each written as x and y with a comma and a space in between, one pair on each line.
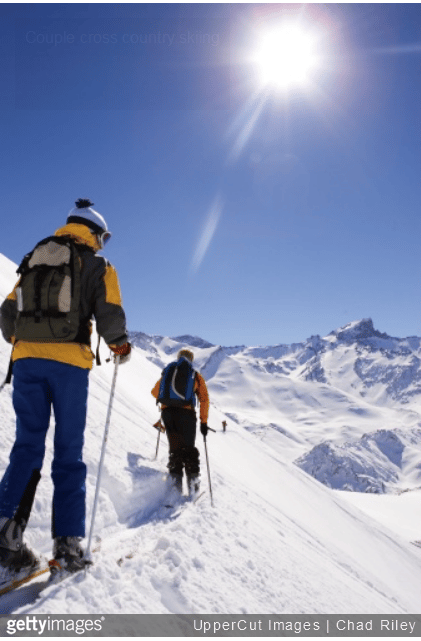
277, 540
373, 463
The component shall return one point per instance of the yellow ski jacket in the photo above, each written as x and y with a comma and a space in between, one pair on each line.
100, 299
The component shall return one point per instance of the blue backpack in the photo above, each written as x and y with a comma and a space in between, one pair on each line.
177, 384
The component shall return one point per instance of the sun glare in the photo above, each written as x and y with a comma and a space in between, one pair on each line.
286, 57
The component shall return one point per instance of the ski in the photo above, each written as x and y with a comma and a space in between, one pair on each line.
16, 583
186, 500
53, 566
59, 573
56, 573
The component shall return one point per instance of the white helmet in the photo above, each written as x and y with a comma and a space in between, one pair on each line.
85, 215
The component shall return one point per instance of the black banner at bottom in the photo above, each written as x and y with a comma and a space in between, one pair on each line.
210, 625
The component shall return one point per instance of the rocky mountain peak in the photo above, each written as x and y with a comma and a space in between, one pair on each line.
359, 331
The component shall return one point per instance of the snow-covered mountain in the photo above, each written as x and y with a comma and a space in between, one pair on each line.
276, 540
341, 405
356, 359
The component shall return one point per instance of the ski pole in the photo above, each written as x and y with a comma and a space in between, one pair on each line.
8, 375
207, 465
157, 444
158, 426
101, 460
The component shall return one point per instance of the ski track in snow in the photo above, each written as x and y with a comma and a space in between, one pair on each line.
277, 541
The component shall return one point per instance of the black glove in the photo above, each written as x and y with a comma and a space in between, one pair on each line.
204, 429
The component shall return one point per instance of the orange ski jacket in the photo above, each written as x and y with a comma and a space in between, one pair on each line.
201, 392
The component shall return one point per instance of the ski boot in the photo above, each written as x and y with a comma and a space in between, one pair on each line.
193, 484
15, 557
175, 489
68, 555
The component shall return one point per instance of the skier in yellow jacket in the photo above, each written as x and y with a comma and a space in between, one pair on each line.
52, 372
180, 427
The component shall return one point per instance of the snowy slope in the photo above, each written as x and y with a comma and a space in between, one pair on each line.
323, 401
277, 541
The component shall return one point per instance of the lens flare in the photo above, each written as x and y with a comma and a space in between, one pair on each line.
208, 232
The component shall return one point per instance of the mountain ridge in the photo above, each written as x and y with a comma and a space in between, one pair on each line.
311, 359
363, 382
355, 331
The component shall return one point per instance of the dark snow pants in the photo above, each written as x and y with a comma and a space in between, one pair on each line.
39, 385
180, 427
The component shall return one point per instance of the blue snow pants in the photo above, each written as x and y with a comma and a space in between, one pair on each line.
39, 385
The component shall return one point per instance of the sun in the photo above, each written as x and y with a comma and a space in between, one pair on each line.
286, 57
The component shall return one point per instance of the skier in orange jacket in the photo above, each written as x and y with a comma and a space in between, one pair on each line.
180, 426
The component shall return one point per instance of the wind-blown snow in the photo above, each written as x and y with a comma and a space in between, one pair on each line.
276, 540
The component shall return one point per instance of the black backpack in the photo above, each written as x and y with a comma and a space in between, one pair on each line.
48, 293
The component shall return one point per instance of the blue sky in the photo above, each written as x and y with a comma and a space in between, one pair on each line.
239, 215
